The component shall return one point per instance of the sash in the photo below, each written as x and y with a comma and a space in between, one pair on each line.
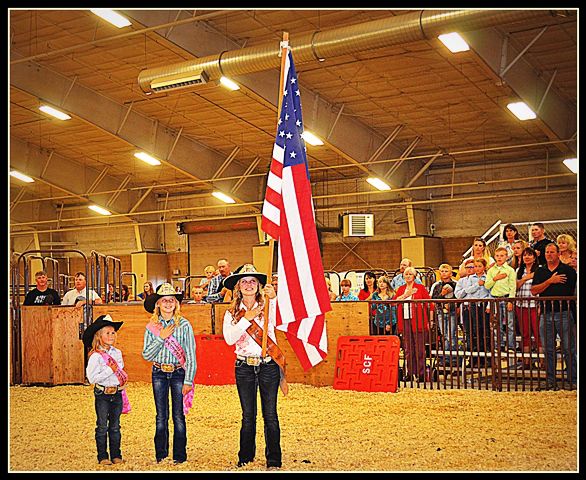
256, 332
176, 349
122, 377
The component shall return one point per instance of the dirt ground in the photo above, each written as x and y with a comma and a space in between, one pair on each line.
322, 429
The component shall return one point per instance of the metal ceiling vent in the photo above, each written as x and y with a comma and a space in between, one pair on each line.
358, 225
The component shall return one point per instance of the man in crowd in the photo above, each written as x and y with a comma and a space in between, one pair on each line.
539, 241
76, 296
42, 294
556, 279
216, 293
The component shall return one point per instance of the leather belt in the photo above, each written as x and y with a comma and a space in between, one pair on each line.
109, 390
501, 296
166, 367
254, 361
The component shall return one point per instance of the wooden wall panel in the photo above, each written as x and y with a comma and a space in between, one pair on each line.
36, 339
67, 347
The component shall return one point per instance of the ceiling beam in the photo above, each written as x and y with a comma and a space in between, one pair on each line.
350, 138
557, 117
193, 159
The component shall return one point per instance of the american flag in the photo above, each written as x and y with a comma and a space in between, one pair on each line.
288, 217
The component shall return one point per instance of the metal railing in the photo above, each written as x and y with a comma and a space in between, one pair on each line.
481, 344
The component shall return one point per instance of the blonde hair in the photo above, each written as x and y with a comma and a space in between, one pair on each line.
446, 265
176, 313
569, 240
97, 340
411, 270
237, 299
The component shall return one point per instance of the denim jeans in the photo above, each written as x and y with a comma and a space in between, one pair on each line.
163, 383
108, 411
562, 324
249, 379
448, 325
508, 326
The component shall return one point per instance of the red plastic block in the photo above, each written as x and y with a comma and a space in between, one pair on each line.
215, 360
367, 363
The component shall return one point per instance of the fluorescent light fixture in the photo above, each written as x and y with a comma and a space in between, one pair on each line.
145, 157
229, 84
311, 138
100, 210
454, 42
223, 197
54, 112
21, 176
572, 164
378, 183
521, 110
111, 16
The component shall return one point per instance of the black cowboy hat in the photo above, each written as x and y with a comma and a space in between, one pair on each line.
100, 322
246, 270
163, 290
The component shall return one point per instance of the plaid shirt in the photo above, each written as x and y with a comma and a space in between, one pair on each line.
525, 291
214, 289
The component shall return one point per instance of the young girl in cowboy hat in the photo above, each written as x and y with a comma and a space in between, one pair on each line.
105, 370
252, 371
169, 343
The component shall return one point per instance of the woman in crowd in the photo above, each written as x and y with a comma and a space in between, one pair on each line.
147, 290
479, 250
384, 322
369, 286
125, 293
567, 246
413, 323
510, 234
526, 310
518, 247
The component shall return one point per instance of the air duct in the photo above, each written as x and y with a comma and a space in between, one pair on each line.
319, 45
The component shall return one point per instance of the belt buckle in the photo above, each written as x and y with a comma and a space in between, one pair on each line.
167, 368
253, 361
110, 390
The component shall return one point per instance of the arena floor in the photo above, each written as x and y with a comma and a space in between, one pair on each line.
322, 429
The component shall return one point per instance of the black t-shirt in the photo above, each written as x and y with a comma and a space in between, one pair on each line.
47, 297
556, 289
540, 247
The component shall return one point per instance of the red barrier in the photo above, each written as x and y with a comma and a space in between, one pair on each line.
367, 363
215, 360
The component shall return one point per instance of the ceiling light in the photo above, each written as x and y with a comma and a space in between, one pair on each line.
378, 183
572, 164
521, 110
21, 176
311, 138
454, 42
223, 197
145, 157
100, 210
111, 16
229, 83
54, 112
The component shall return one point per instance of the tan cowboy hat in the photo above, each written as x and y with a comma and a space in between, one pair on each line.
246, 270
163, 290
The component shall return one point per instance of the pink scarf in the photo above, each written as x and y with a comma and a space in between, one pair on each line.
122, 377
176, 349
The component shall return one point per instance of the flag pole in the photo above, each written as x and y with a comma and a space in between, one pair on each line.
284, 51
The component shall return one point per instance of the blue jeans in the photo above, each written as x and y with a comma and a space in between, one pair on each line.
108, 411
562, 324
265, 378
448, 325
163, 383
508, 326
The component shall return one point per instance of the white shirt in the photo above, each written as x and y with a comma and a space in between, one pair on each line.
71, 296
97, 371
237, 335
